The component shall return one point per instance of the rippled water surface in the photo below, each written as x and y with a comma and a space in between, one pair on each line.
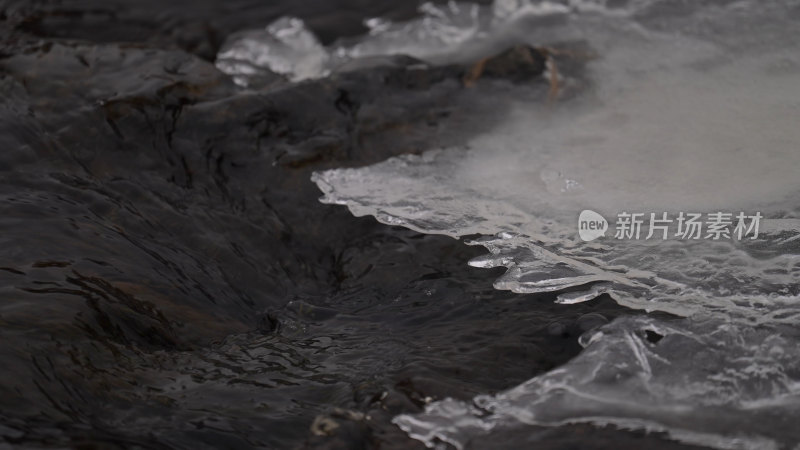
170, 278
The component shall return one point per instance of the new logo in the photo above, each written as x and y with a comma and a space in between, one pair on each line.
591, 225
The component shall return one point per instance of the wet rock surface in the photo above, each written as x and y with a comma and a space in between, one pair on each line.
169, 279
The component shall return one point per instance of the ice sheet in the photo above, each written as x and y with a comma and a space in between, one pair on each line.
693, 107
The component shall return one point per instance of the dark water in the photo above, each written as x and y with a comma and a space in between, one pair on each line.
169, 279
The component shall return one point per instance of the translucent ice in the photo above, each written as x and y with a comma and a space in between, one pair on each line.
455, 31
285, 47
674, 123
693, 107
639, 373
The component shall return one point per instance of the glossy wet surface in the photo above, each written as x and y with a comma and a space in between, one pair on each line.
170, 280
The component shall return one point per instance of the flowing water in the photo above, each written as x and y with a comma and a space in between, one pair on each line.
171, 280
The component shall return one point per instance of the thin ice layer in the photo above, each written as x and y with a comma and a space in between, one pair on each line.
539, 243
283, 48
637, 372
674, 124
452, 32
693, 109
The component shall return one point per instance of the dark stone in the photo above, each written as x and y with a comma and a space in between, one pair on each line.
169, 276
